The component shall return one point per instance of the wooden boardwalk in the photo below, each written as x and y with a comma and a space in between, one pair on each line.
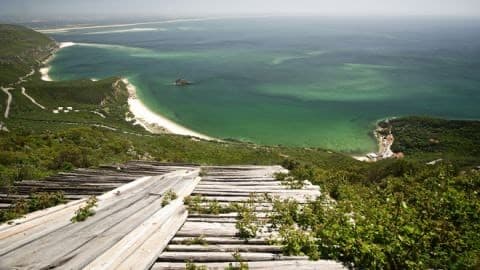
132, 230
218, 233
125, 233
83, 183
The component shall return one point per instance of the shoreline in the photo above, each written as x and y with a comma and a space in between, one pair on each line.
154, 122
384, 144
45, 69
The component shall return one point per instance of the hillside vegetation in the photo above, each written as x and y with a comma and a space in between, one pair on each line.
20, 49
393, 214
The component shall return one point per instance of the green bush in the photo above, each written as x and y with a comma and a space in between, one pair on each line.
297, 242
82, 213
247, 223
426, 217
169, 196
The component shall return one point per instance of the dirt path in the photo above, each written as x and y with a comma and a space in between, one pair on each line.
9, 100
32, 99
6, 90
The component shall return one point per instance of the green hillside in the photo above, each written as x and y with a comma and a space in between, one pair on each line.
21, 49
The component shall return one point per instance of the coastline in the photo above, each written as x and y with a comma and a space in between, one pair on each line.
384, 140
44, 71
151, 121
154, 122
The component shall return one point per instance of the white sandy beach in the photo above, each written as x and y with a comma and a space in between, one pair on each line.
154, 122
44, 71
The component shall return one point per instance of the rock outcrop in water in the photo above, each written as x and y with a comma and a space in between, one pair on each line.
182, 82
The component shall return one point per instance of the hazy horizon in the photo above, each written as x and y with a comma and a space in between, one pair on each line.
55, 9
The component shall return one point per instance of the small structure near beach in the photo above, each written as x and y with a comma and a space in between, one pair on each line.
182, 82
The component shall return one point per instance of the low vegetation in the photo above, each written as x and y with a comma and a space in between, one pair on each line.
396, 215
169, 196
428, 139
240, 263
200, 240
86, 211
36, 201
192, 266
248, 225
290, 181
198, 204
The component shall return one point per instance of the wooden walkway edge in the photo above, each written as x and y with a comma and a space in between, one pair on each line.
125, 232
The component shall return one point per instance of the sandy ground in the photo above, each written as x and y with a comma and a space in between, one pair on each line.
46, 69
154, 122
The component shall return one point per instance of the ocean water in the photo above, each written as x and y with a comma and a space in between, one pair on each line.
292, 81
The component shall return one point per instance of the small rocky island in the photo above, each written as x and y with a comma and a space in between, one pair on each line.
182, 82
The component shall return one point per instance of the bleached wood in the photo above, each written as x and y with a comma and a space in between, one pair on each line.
221, 240
283, 192
225, 248
277, 265
207, 229
72, 246
168, 256
225, 215
118, 256
68, 237
146, 255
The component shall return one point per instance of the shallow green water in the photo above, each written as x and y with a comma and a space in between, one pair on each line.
292, 81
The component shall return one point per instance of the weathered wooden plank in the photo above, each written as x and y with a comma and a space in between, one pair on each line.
216, 220
225, 215
293, 193
261, 187
67, 241
168, 256
146, 255
55, 234
225, 248
207, 229
300, 199
220, 240
130, 219
241, 184
122, 254
239, 180
277, 265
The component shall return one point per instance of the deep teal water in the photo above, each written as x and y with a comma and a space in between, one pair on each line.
293, 81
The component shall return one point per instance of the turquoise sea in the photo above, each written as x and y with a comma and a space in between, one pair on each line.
300, 81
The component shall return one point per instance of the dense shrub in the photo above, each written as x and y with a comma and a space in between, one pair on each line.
415, 217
